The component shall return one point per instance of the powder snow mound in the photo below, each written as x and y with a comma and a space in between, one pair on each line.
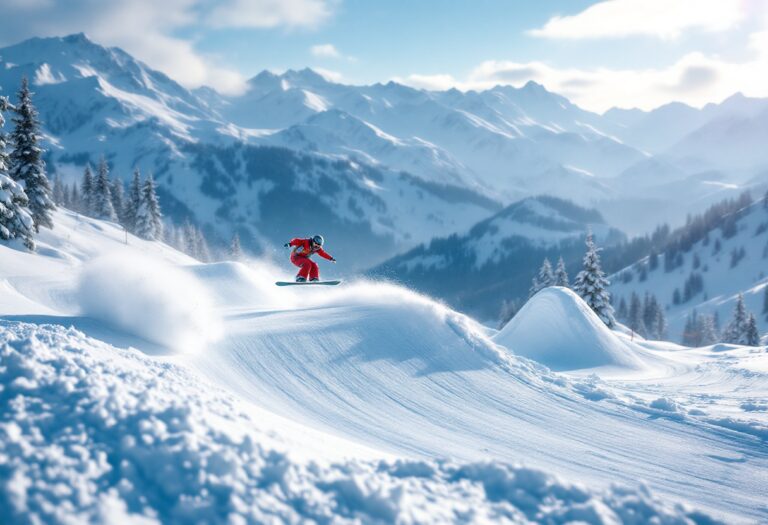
558, 329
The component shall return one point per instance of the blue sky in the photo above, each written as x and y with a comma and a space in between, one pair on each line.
597, 53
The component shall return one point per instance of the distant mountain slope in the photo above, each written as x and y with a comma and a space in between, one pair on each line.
496, 259
97, 101
707, 268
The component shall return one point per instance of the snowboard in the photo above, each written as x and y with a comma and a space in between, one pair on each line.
307, 283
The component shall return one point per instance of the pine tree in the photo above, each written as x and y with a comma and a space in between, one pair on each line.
86, 193
691, 335
622, 313
735, 332
661, 326
189, 240
59, 197
535, 287
765, 302
102, 194
27, 164
203, 252
546, 277
149, 219
751, 335
132, 202
561, 276
592, 285
708, 331
508, 311
118, 196
235, 250
15, 221
636, 322
75, 203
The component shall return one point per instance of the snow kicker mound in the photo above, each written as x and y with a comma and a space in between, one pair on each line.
558, 329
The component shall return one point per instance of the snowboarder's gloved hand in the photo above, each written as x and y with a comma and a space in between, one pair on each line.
286, 245
333, 260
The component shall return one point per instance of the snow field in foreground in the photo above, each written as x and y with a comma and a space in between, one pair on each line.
138, 452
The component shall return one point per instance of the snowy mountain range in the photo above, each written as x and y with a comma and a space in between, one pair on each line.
407, 165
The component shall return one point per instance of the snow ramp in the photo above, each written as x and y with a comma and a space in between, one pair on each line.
396, 372
558, 329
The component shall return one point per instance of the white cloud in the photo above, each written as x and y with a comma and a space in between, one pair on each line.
664, 19
325, 51
695, 79
270, 13
149, 29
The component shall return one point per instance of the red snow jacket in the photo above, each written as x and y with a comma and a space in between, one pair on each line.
304, 248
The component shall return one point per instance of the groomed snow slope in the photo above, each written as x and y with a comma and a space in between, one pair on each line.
342, 377
558, 329
150, 444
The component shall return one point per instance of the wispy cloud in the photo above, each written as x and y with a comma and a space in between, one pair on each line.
663, 19
270, 13
150, 30
325, 51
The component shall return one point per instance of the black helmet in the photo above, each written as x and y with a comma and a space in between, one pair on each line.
318, 239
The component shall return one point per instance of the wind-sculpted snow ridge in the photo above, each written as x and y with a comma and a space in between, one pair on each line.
558, 329
151, 443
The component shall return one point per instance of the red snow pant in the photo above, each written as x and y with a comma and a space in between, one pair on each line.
307, 267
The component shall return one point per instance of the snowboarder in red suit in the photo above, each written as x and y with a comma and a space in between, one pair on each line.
303, 249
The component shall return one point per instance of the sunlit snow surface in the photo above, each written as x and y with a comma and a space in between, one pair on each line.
338, 405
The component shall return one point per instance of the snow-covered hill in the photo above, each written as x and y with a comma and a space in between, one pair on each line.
496, 258
729, 259
334, 405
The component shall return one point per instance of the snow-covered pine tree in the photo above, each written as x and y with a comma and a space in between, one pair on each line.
74, 200
636, 322
661, 325
102, 194
765, 302
86, 192
751, 335
15, 220
592, 285
235, 250
189, 244
27, 164
708, 331
508, 311
546, 276
117, 192
149, 219
203, 252
535, 287
132, 202
561, 276
623, 312
735, 332
544, 279
59, 197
